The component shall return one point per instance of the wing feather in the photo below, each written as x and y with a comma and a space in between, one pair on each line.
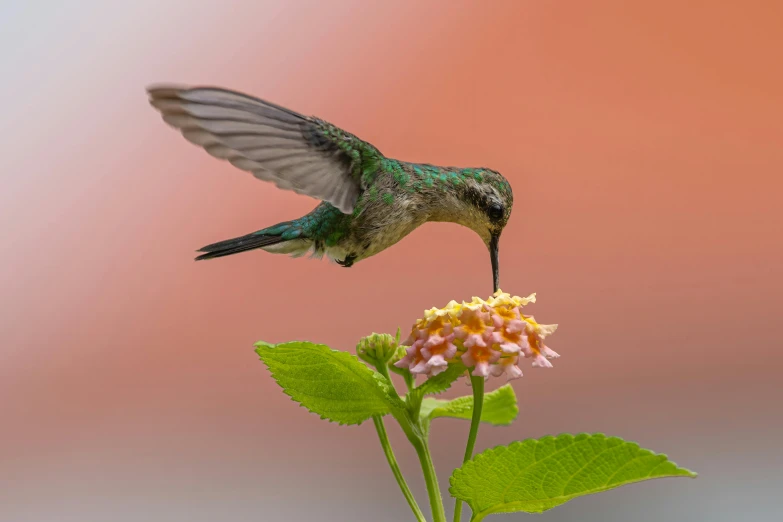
295, 152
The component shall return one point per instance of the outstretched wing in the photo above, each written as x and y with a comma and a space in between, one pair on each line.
295, 152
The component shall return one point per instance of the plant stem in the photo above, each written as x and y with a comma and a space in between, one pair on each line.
477, 382
418, 438
431, 479
410, 382
387, 450
384, 370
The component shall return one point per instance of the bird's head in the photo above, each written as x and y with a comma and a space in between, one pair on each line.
484, 201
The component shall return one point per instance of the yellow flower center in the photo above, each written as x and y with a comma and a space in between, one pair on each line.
436, 326
532, 335
473, 324
506, 312
480, 354
511, 337
439, 349
532, 340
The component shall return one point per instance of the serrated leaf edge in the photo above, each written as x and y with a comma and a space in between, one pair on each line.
504, 387
265, 344
422, 387
476, 517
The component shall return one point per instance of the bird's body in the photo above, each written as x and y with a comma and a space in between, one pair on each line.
401, 197
370, 202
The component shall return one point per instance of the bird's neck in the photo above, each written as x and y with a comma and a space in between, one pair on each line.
440, 193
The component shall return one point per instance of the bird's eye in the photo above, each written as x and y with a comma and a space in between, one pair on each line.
495, 212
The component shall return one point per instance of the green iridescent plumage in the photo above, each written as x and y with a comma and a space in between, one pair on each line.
369, 201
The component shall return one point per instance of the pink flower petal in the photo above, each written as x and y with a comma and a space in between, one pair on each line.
475, 340
539, 361
411, 339
437, 360
481, 369
451, 351
508, 347
510, 369
404, 362
516, 326
434, 340
467, 359
423, 368
437, 369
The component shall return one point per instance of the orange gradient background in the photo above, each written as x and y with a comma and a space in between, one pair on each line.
644, 145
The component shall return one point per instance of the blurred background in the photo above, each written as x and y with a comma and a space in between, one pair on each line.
644, 145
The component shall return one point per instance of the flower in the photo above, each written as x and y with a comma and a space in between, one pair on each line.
507, 365
475, 327
511, 340
538, 350
480, 357
488, 336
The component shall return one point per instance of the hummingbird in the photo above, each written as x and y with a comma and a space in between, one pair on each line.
368, 202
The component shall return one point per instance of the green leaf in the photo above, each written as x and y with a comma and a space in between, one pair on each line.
538, 474
333, 384
500, 407
443, 381
433, 385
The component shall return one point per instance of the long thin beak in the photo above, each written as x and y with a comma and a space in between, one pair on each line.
493, 254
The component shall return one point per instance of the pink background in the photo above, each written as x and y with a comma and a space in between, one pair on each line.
643, 144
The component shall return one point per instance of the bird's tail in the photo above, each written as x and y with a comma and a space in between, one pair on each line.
282, 238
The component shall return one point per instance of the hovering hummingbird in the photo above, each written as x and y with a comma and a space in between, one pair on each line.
369, 202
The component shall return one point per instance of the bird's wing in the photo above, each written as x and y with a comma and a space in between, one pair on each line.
295, 152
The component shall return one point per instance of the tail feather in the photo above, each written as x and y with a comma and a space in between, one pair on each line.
239, 244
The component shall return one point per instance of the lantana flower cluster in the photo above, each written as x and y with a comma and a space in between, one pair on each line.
489, 337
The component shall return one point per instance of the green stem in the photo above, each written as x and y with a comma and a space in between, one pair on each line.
418, 438
477, 382
431, 479
387, 450
409, 381
384, 370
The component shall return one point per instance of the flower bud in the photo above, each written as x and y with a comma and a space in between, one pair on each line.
377, 349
